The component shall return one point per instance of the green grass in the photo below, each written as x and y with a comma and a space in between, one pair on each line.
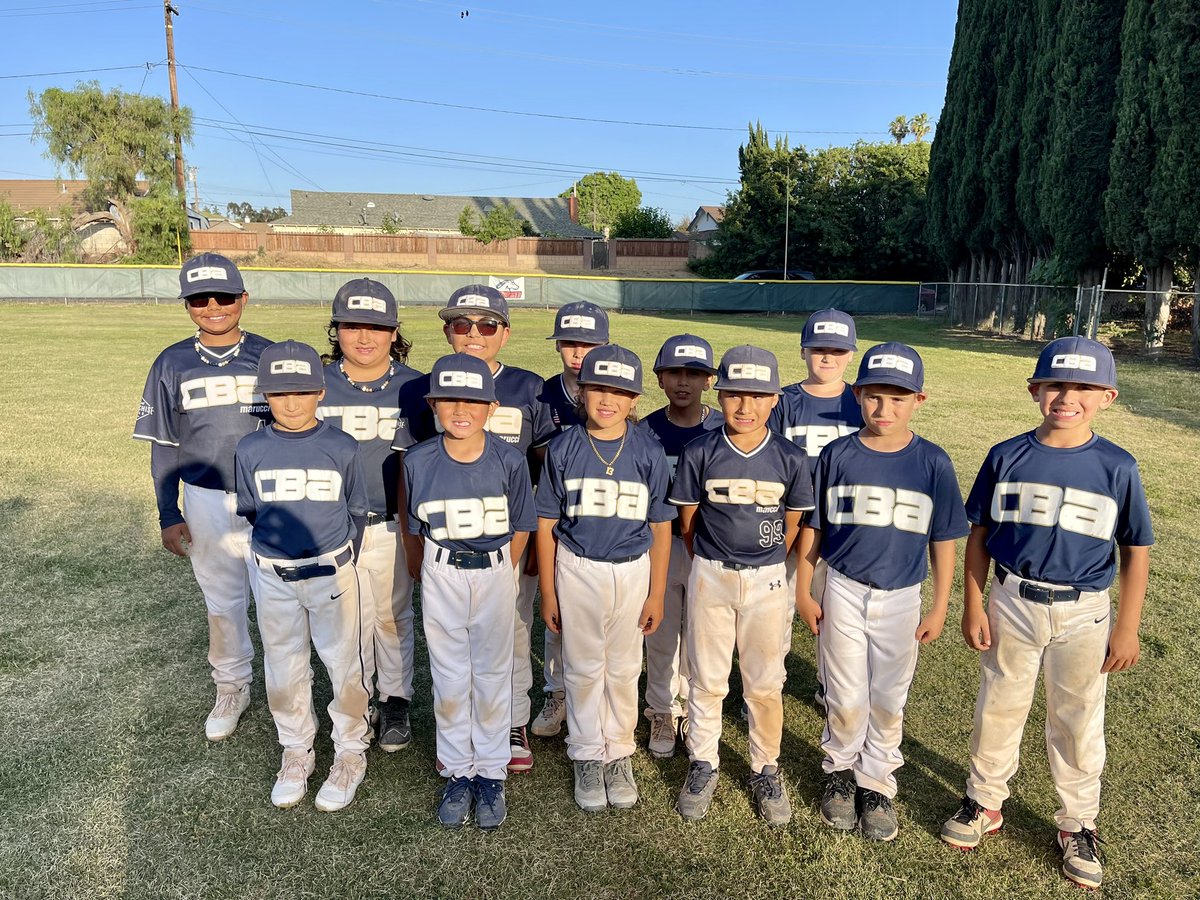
108, 788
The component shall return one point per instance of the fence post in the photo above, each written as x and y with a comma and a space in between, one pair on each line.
1078, 303
975, 309
1000, 315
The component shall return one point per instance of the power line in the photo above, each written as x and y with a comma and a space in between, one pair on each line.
71, 12
76, 71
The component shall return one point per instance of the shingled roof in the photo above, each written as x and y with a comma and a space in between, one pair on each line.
418, 213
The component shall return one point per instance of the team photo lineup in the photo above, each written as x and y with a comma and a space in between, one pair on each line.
329, 484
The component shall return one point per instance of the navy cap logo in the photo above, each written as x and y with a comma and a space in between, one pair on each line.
692, 351
457, 379
588, 322
474, 300
831, 328
615, 368
290, 367
377, 304
203, 273
891, 361
1074, 361
750, 371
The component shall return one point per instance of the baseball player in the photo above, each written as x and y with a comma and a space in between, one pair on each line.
578, 328
885, 499
301, 485
200, 399
364, 374
604, 544
685, 369
470, 499
1054, 507
741, 491
477, 323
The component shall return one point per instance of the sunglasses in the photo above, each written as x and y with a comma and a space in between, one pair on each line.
486, 327
222, 300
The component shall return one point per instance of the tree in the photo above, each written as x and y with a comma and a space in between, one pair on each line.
499, 224
899, 129
12, 235
645, 222
244, 212
919, 126
390, 223
603, 197
113, 140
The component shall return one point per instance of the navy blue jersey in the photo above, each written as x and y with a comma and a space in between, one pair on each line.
812, 422
373, 419
560, 410
878, 512
1058, 514
468, 506
742, 496
602, 515
195, 411
674, 437
300, 490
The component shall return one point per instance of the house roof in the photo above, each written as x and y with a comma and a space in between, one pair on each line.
49, 194
549, 216
716, 213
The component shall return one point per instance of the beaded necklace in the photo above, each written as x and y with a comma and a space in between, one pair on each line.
208, 355
367, 390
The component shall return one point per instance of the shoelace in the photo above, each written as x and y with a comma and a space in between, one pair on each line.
874, 800
343, 772
839, 786
767, 785
456, 788
968, 811
590, 776
487, 791
661, 728
295, 768
516, 738
697, 779
623, 773
553, 707
226, 705
1085, 842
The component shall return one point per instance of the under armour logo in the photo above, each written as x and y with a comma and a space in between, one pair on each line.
775, 585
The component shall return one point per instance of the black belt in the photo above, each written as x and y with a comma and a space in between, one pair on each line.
620, 559
1036, 593
468, 559
313, 570
377, 519
736, 566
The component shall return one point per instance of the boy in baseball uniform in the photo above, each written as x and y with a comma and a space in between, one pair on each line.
740, 490
885, 499
200, 400
300, 484
1054, 508
470, 500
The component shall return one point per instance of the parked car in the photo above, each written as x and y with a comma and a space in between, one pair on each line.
776, 275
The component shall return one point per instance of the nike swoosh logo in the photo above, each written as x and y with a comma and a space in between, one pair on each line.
335, 596
1099, 620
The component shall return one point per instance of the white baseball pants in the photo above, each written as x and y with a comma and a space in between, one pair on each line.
745, 609
387, 611
323, 612
224, 569
666, 649
522, 680
599, 604
1071, 641
869, 653
467, 614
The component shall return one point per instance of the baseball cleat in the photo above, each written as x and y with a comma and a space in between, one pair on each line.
458, 798
549, 721
663, 727
1081, 857
837, 803
877, 816
521, 759
395, 732
490, 808
967, 827
345, 775
619, 786
697, 793
770, 797
589, 785
226, 712
291, 781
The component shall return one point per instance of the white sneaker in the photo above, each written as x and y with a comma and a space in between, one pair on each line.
226, 712
1081, 857
549, 721
345, 775
291, 782
662, 734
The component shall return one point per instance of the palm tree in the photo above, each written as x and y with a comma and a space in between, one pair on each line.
919, 126
899, 129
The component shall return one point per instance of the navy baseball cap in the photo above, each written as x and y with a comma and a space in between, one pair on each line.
365, 302
612, 366
892, 363
581, 321
290, 366
460, 376
829, 328
1078, 360
685, 351
209, 273
475, 298
749, 370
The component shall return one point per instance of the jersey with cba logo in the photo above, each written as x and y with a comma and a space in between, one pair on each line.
600, 515
560, 410
675, 437
742, 497
1057, 514
468, 506
300, 490
373, 419
814, 422
878, 512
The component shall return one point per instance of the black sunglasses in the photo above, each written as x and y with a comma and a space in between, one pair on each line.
222, 300
486, 327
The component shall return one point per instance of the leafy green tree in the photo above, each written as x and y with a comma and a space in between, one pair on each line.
499, 224
390, 223
644, 222
604, 197
245, 212
899, 129
12, 234
919, 126
160, 231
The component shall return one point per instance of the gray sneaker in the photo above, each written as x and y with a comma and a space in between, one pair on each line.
837, 803
663, 728
697, 793
619, 785
490, 808
877, 817
770, 796
967, 827
457, 799
1081, 857
589, 785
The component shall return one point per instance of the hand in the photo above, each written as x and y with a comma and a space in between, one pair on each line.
414, 555
930, 627
549, 610
531, 566
975, 628
177, 539
1123, 652
652, 614
810, 611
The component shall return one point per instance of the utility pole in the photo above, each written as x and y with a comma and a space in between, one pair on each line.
195, 188
168, 11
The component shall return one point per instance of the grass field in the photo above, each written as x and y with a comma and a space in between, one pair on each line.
108, 788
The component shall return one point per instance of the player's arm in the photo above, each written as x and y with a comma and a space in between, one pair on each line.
520, 540
537, 460
414, 548
976, 563
941, 564
807, 554
660, 562
164, 471
547, 548
687, 526
1123, 645
791, 528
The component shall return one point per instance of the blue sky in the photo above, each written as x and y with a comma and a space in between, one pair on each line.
412, 96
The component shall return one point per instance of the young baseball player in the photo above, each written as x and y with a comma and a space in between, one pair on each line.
885, 498
300, 483
685, 369
363, 376
604, 544
470, 499
200, 400
740, 491
477, 323
578, 328
1054, 508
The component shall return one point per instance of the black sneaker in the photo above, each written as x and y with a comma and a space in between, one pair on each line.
877, 816
395, 732
490, 809
697, 793
770, 797
457, 799
837, 803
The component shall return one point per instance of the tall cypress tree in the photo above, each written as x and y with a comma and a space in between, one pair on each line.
1035, 116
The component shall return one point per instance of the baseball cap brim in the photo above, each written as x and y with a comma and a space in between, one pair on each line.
894, 380
448, 314
1076, 378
